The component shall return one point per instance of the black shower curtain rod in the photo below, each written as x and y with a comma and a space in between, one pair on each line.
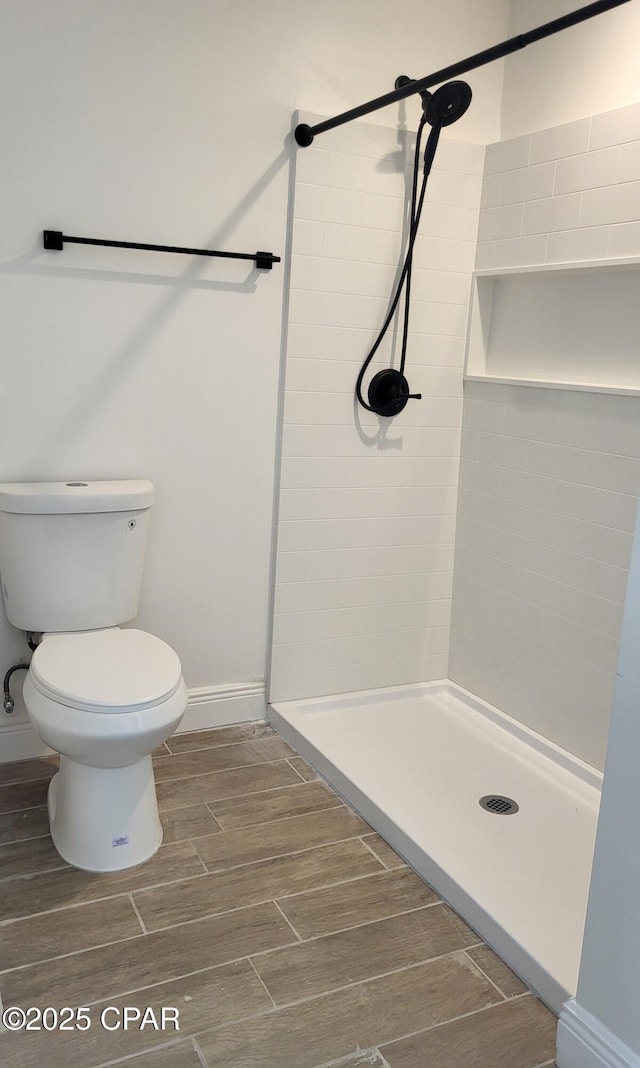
305, 134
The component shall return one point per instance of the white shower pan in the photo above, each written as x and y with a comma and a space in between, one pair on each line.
415, 761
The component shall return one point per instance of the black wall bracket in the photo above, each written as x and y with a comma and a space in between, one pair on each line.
53, 240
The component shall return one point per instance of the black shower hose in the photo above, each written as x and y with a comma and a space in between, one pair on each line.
404, 282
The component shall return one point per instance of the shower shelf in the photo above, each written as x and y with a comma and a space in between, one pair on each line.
561, 326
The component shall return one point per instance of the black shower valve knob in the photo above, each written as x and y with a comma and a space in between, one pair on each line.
389, 392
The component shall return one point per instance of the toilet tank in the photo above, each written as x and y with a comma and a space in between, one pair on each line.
72, 553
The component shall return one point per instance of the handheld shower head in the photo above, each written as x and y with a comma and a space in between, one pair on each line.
445, 105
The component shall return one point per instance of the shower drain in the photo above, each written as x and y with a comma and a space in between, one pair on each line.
499, 805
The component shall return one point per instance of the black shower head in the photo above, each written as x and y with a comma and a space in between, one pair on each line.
445, 105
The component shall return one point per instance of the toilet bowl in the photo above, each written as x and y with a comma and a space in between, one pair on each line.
104, 700
104, 696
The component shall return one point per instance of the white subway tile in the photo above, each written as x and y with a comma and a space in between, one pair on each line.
449, 221
615, 127
485, 255
603, 543
298, 440
303, 472
443, 286
323, 274
430, 318
382, 212
447, 187
361, 243
611, 204
312, 165
624, 240
553, 213
308, 238
519, 251
305, 596
527, 183
498, 223
334, 623
559, 141
491, 191
586, 171
441, 254
461, 156
293, 504
507, 155
287, 627
366, 175
629, 168
588, 243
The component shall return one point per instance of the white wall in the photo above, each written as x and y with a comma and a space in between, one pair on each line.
167, 122
582, 71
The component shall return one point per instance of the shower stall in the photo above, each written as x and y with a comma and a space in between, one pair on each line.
450, 577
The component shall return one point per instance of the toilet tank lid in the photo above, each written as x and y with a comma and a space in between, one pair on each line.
50, 498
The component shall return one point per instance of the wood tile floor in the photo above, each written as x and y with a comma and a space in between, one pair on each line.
285, 933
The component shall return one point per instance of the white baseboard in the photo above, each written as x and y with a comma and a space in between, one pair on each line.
585, 1042
208, 706
217, 706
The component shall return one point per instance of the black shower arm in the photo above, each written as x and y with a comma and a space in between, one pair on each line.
305, 134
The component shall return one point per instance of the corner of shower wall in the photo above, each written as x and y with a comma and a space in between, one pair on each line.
367, 505
550, 474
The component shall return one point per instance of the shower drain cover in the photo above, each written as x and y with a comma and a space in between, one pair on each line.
499, 805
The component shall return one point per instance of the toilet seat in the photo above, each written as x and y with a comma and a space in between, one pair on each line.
106, 671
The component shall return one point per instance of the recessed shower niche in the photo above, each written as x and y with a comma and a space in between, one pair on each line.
570, 326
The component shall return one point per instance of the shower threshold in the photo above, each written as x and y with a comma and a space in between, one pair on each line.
415, 761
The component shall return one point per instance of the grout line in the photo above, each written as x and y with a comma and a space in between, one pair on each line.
475, 965
135, 909
369, 923
227, 797
288, 921
328, 807
30, 838
141, 1054
366, 1054
221, 771
200, 1055
297, 772
262, 982
374, 854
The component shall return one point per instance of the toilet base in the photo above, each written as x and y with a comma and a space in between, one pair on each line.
104, 819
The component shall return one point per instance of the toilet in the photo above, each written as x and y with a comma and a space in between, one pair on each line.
102, 695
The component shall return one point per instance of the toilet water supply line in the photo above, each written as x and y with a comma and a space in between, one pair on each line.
388, 390
8, 703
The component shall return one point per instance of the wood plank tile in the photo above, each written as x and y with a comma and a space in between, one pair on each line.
18, 795
497, 971
28, 823
253, 883
177, 1055
249, 780
266, 840
304, 770
360, 953
109, 971
68, 886
362, 1058
516, 1034
43, 767
181, 823
370, 1013
205, 999
41, 937
208, 739
236, 812
221, 758
30, 857
383, 851
320, 912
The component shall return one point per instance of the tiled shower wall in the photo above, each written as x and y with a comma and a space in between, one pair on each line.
367, 506
549, 478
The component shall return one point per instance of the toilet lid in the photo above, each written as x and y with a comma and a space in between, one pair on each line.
106, 670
